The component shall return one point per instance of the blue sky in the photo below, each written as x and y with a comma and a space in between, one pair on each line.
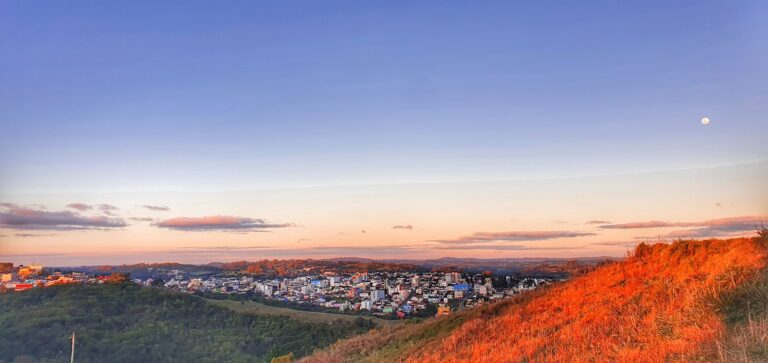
184, 96
148, 95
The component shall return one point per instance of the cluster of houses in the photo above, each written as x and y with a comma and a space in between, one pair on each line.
400, 294
381, 293
25, 277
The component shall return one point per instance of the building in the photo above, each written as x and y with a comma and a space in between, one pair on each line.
443, 310
366, 304
377, 295
22, 287
481, 289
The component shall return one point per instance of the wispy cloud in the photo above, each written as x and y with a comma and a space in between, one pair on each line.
36, 255
107, 207
505, 247
407, 226
335, 251
79, 206
741, 222
646, 224
142, 219
598, 222
220, 223
227, 248
514, 236
157, 208
617, 243
722, 227
33, 234
18, 217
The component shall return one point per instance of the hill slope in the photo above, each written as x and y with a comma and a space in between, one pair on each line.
126, 323
691, 300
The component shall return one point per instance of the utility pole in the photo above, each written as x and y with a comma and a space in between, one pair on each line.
72, 357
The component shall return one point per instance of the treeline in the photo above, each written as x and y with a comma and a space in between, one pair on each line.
127, 323
144, 270
297, 267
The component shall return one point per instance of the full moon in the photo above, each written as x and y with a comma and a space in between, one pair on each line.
705, 121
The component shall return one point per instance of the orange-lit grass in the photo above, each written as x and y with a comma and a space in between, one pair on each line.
658, 305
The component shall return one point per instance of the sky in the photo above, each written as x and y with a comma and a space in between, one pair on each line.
195, 131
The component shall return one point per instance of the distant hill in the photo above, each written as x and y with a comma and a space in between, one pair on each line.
510, 266
126, 323
298, 267
144, 270
351, 265
685, 301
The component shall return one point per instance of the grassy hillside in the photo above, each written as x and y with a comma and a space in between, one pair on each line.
257, 308
125, 323
686, 301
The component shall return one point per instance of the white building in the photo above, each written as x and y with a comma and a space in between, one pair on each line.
377, 295
366, 304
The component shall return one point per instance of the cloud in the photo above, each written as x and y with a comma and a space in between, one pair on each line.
504, 247
143, 219
648, 224
107, 207
726, 227
220, 223
363, 231
37, 255
407, 226
79, 206
708, 228
718, 204
598, 222
226, 248
33, 234
722, 227
157, 208
239, 252
743, 223
617, 243
17, 217
514, 236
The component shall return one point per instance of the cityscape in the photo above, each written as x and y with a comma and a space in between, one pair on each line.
381, 293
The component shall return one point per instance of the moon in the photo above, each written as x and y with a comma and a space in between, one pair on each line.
705, 121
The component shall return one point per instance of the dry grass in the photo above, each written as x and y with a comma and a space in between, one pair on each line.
664, 303
746, 343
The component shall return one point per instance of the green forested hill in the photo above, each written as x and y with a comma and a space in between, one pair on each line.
127, 323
